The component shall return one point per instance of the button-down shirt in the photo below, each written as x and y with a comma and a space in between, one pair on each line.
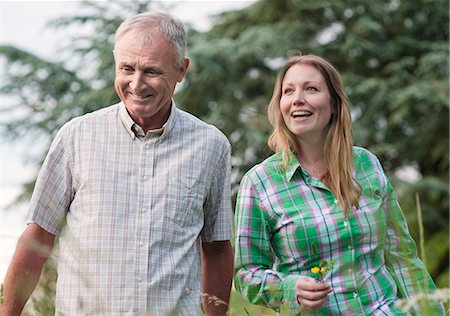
131, 209
287, 222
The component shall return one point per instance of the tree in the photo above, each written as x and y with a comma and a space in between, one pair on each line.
46, 94
394, 64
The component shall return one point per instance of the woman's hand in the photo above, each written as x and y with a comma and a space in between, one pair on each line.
311, 295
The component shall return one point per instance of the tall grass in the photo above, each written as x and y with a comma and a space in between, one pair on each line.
42, 301
423, 298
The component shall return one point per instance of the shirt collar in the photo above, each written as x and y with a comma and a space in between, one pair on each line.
136, 131
126, 119
170, 124
292, 167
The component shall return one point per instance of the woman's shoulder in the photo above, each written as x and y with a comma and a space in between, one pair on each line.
364, 155
265, 168
367, 163
362, 151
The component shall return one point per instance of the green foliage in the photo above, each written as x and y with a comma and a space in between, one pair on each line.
392, 54
241, 307
45, 94
394, 63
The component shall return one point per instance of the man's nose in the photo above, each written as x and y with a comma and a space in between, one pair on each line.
137, 83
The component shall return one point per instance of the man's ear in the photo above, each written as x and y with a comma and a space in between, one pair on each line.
183, 69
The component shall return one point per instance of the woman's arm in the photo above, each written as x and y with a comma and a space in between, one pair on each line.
254, 277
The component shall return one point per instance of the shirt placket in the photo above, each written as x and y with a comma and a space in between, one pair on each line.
142, 235
351, 285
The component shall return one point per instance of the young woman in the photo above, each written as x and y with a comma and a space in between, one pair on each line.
318, 224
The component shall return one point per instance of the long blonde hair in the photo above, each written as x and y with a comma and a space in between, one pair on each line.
338, 148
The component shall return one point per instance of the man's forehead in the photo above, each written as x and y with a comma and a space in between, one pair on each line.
141, 36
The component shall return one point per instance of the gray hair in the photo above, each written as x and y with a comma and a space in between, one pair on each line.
171, 29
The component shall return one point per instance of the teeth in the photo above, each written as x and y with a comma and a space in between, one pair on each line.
140, 97
301, 113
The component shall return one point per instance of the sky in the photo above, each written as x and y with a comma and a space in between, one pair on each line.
23, 24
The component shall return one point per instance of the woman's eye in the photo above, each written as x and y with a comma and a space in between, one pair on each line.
312, 89
287, 90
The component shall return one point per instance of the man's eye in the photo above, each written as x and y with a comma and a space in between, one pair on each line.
152, 72
126, 69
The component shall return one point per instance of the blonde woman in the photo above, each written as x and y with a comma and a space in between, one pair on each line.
318, 224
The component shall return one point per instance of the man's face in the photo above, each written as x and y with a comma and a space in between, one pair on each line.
146, 76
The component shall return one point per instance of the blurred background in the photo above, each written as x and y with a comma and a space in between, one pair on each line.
56, 63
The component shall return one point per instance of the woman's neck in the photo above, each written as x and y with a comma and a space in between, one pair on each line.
312, 160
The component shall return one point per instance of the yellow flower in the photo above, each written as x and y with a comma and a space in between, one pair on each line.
323, 270
315, 270
272, 289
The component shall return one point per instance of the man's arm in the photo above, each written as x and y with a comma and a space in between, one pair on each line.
33, 249
217, 270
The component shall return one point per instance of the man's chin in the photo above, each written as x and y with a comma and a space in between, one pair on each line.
138, 106
140, 102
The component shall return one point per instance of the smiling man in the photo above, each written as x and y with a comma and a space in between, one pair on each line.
146, 77
143, 190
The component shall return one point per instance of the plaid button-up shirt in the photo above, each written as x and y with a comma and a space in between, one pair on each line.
288, 222
131, 210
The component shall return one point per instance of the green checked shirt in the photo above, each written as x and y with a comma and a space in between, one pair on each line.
287, 222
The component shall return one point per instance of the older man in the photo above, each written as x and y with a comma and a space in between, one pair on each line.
138, 194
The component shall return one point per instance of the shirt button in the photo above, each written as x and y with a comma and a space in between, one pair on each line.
349, 247
355, 295
345, 223
141, 244
147, 146
143, 210
139, 279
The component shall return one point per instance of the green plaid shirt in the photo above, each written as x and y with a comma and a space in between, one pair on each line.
287, 222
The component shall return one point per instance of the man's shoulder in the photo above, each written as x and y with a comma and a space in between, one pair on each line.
189, 119
93, 118
111, 110
191, 123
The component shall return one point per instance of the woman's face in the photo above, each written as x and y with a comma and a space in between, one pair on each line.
306, 103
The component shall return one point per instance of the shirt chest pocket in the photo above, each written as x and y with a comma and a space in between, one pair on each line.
184, 202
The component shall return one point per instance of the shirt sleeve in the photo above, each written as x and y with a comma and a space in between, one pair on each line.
53, 190
402, 261
217, 208
255, 278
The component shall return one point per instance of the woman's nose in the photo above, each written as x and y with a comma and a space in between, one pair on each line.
299, 97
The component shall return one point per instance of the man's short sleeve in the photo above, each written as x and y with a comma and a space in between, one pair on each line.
217, 209
53, 190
